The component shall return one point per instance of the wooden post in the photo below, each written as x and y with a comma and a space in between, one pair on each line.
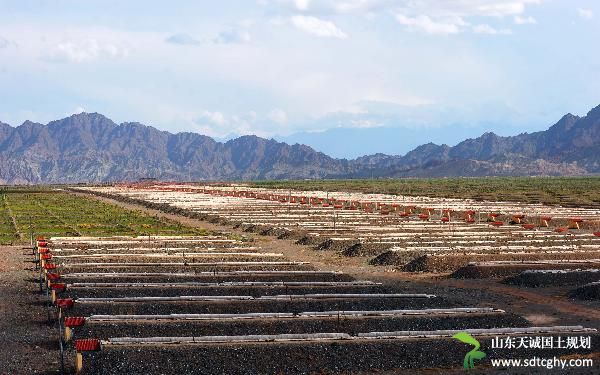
68, 334
78, 362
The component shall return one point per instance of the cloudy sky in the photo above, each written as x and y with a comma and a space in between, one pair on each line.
402, 71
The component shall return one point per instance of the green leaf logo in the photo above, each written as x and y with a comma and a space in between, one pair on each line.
473, 354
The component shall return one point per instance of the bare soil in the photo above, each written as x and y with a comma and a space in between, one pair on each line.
29, 345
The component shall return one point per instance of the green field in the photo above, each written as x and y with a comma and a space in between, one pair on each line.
57, 213
568, 191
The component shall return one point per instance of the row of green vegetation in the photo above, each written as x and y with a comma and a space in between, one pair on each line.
567, 191
57, 213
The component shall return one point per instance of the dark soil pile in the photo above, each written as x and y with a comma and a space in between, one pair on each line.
589, 291
537, 278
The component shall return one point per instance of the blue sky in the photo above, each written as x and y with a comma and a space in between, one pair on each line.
397, 73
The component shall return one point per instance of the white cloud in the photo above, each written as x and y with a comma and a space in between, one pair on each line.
302, 4
307, 79
233, 37
76, 111
247, 22
182, 39
278, 116
524, 20
499, 8
475, 8
387, 97
585, 13
317, 26
3, 42
441, 17
363, 6
427, 25
219, 125
216, 118
365, 124
334, 7
487, 29
86, 51
431, 8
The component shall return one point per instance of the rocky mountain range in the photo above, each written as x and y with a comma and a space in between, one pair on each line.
89, 147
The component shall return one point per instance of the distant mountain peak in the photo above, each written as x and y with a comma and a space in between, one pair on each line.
489, 135
92, 116
565, 123
594, 112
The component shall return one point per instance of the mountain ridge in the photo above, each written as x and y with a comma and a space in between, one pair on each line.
90, 147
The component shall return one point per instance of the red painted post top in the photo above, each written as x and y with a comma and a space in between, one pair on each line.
528, 226
50, 266
58, 286
53, 276
64, 303
87, 345
46, 256
74, 321
43, 250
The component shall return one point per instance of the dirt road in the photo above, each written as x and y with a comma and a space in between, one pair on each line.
27, 344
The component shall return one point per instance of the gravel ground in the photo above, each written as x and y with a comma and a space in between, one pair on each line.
254, 306
452, 262
223, 291
476, 271
299, 358
352, 325
28, 344
181, 268
556, 278
536, 306
365, 249
207, 278
116, 258
589, 291
343, 357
